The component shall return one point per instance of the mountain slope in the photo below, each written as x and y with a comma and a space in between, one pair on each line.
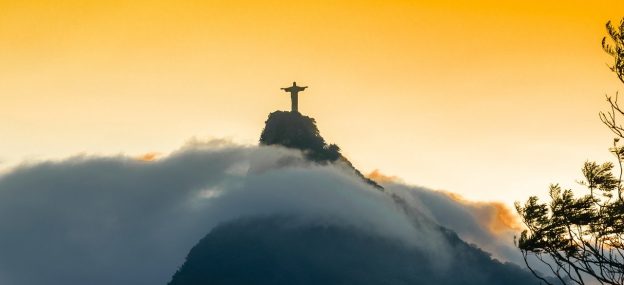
270, 251
280, 249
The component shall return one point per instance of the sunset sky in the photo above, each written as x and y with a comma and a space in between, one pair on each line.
487, 100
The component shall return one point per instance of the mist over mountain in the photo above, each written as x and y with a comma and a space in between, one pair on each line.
233, 214
278, 250
283, 249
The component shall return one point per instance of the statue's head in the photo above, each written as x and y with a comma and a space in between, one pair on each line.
294, 83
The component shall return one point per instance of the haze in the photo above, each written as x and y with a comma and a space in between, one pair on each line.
486, 99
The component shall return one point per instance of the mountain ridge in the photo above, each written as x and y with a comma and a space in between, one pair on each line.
264, 250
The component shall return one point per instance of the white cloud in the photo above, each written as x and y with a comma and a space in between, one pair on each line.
120, 220
117, 220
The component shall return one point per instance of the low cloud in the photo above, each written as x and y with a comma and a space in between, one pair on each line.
497, 217
379, 177
120, 220
489, 225
150, 156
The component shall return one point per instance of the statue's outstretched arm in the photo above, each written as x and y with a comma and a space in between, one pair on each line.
304, 87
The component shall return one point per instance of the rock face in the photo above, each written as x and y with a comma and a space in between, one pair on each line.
269, 250
294, 130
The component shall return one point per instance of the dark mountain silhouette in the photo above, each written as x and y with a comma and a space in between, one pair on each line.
294, 130
265, 251
270, 250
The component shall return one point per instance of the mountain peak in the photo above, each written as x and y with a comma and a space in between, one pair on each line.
294, 130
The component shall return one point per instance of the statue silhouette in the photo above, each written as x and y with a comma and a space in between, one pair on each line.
294, 96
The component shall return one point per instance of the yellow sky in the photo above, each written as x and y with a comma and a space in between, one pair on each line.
490, 99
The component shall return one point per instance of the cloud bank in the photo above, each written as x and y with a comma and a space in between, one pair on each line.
121, 220
491, 226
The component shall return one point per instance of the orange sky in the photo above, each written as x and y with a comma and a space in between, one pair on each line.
493, 101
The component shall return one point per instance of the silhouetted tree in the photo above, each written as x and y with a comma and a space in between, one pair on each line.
615, 48
582, 238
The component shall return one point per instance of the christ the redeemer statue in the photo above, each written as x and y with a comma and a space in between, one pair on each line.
294, 95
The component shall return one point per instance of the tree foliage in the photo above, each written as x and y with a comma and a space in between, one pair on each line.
614, 46
581, 238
